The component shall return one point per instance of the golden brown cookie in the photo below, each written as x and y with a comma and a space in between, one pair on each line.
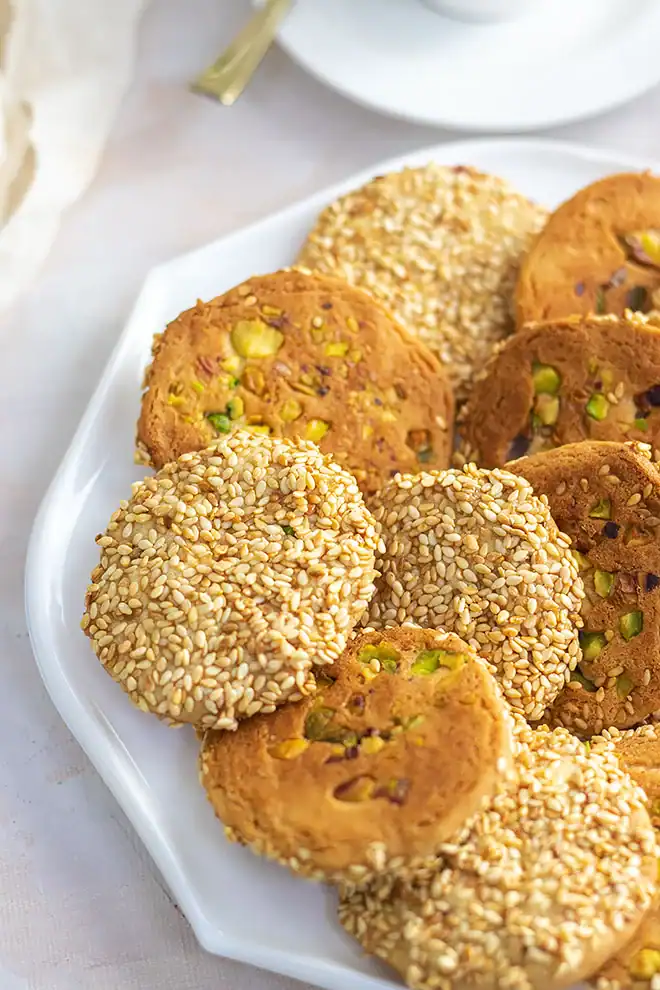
551, 879
592, 378
478, 554
298, 355
606, 498
374, 772
441, 246
639, 752
229, 577
598, 253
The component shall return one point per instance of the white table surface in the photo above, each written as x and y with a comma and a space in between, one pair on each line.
81, 906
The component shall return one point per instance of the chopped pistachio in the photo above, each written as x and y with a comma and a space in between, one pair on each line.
643, 246
219, 421
624, 685
197, 386
255, 339
321, 727
290, 411
604, 583
546, 409
288, 749
640, 423
356, 789
175, 400
316, 429
545, 379
582, 679
336, 348
602, 509
646, 964
371, 744
601, 304
395, 790
271, 310
631, 624
582, 561
592, 643
235, 407
387, 656
231, 364
428, 661
597, 407
352, 324
258, 428
289, 530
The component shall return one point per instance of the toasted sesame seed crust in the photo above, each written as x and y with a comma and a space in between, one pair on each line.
475, 552
441, 247
228, 577
540, 889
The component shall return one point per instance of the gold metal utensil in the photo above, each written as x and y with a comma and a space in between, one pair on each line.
226, 79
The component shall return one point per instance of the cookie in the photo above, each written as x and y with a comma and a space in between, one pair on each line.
591, 378
386, 762
606, 498
298, 355
538, 891
229, 577
639, 753
441, 247
598, 253
478, 554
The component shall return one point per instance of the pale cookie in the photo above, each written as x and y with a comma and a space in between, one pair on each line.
441, 246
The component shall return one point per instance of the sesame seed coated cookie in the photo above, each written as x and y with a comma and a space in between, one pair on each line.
227, 578
371, 774
477, 553
598, 253
579, 378
606, 498
639, 753
441, 246
299, 355
538, 891
637, 965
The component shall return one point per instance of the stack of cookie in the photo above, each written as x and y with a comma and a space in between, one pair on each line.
423, 684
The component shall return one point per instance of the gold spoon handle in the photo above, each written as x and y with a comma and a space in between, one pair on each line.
231, 72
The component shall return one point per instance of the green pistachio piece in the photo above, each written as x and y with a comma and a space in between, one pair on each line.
545, 379
604, 583
598, 407
631, 625
592, 643
290, 411
641, 424
643, 246
316, 429
288, 749
356, 789
255, 339
220, 422
289, 530
337, 348
582, 679
645, 965
602, 509
387, 656
428, 661
624, 685
546, 409
582, 561
235, 407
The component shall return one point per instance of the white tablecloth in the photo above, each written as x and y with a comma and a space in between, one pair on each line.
81, 906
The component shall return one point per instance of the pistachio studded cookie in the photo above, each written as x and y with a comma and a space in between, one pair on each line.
591, 378
291, 354
606, 498
599, 252
546, 883
441, 247
384, 763
227, 579
477, 553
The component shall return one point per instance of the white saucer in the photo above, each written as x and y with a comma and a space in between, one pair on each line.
563, 60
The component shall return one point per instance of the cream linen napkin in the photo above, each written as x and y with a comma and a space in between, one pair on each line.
64, 67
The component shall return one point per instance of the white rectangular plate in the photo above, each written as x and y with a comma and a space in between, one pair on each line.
238, 906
